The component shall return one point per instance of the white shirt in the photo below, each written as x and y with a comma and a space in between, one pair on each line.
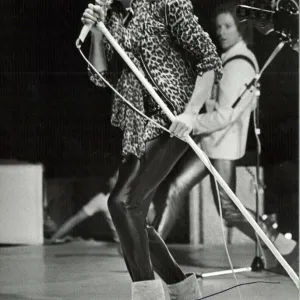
96, 204
224, 129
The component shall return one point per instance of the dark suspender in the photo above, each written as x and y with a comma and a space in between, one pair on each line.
246, 58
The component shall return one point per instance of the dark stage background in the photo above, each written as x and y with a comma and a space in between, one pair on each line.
51, 113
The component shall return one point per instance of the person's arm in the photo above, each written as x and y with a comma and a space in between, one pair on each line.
184, 28
185, 122
69, 225
201, 93
101, 51
97, 53
98, 59
236, 75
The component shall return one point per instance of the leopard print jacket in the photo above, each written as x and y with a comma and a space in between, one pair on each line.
157, 35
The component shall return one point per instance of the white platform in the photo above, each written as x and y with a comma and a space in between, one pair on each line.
21, 204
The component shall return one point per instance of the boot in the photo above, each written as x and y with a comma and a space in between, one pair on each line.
284, 245
147, 290
188, 289
269, 225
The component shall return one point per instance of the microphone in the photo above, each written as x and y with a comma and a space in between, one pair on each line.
83, 34
86, 28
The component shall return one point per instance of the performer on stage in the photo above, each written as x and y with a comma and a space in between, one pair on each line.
156, 34
222, 132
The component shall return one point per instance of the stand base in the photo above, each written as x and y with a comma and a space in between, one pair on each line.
256, 266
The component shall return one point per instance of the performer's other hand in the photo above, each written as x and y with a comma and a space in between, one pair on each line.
182, 125
93, 14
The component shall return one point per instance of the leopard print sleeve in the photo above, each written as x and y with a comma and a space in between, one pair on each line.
114, 24
184, 27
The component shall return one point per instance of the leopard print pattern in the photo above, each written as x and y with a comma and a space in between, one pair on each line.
155, 38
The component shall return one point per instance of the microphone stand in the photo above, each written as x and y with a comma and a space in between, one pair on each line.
198, 151
257, 263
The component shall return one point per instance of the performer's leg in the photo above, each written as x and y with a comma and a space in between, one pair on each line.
129, 222
128, 203
170, 195
231, 214
180, 286
110, 223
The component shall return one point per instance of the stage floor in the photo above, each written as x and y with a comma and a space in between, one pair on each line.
89, 270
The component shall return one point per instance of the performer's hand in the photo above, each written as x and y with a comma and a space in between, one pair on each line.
93, 14
183, 125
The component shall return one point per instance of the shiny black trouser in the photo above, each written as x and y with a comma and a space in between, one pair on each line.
170, 195
143, 249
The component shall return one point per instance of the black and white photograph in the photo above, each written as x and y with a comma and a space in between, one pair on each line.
149, 150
